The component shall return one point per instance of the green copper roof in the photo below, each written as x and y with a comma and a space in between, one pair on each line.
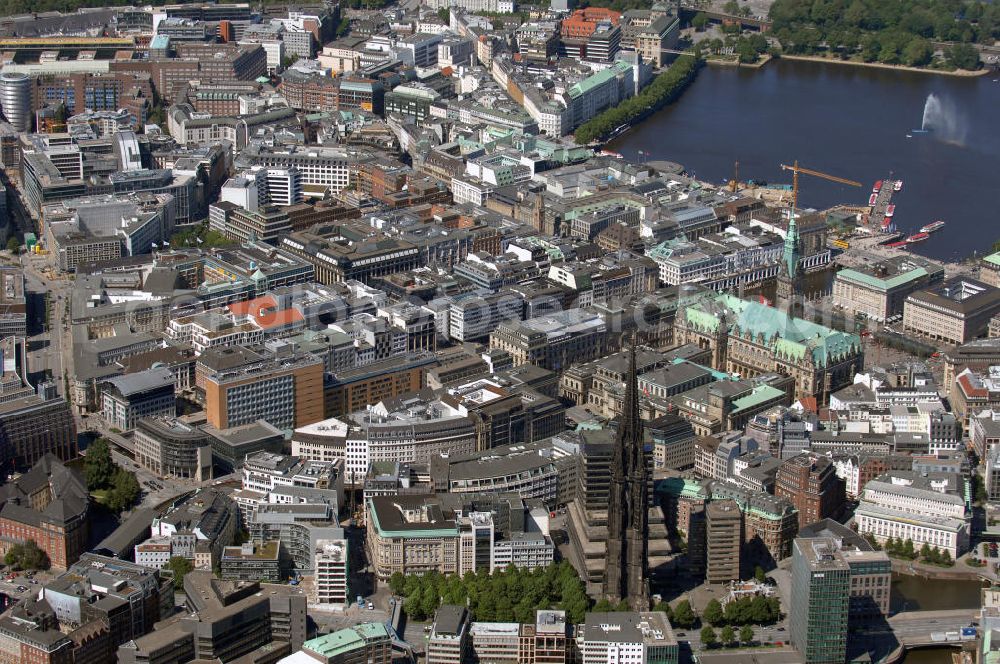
884, 284
415, 533
336, 643
993, 258
346, 640
794, 337
761, 394
371, 630
600, 78
791, 252
701, 319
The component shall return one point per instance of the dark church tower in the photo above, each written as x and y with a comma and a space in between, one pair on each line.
627, 573
789, 287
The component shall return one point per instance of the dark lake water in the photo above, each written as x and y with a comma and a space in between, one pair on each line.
851, 122
913, 593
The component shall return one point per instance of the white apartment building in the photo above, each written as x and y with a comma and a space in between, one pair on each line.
465, 189
154, 553
248, 190
715, 257
322, 441
331, 573
266, 471
284, 186
475, 6
319, 167
476, 317
413, 430
927, 509
204, 331
523, 550
419, 50
620, 637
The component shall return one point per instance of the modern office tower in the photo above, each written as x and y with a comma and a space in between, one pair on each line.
724, 535
15, 100
821, 591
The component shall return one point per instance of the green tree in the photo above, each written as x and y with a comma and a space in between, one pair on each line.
622, 605
946, 558
699, 21
124, 490
98, 467
925, 551
429, 601
760, 613
918, 53
179, 566
444, 15
727, 635
746, 634
13, 244
683, 615
397, 583
32, 557
759, 575
774, 609
963, 56
713, 614
731, 7
412, 607
732, 613
708, 637
979, 487
603, 605
908, 551
26, 555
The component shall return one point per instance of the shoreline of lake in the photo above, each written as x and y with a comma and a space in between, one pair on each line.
961, 73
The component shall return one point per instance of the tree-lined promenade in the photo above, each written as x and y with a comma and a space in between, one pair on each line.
664, 89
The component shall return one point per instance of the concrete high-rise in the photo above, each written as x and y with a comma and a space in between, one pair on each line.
15, 100
627, 573
723, 539
821, 592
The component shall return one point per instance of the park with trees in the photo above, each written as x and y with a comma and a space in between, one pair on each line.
896, 33
511, 594
110, 484
755, 610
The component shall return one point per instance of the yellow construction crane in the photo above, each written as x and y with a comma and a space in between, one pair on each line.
796, 169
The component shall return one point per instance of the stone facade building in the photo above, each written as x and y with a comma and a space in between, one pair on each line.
749, 338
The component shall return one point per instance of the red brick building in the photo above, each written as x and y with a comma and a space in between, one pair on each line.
582, 22
49, 505
812, 485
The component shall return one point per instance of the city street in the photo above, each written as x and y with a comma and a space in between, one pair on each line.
48, 351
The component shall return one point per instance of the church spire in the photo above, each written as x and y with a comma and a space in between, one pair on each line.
627, 571
792, 251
